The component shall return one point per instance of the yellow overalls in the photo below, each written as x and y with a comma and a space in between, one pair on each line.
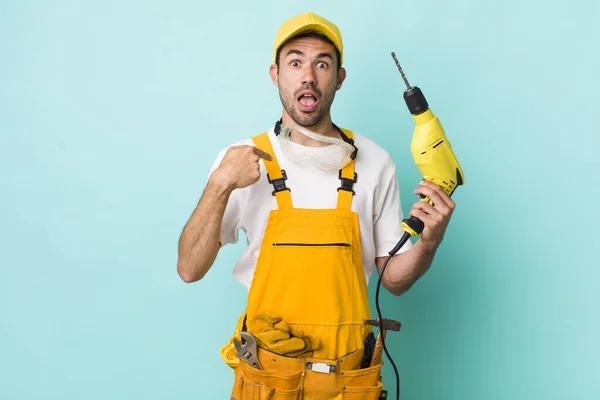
308, 281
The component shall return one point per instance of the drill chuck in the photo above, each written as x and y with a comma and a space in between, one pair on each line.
415, 100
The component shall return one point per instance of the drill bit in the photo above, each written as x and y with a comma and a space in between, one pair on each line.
401, 72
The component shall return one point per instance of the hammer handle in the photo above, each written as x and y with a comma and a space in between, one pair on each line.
378, 349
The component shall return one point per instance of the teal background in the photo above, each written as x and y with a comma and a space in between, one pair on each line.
112, 112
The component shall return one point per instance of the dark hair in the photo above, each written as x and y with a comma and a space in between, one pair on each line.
310, 34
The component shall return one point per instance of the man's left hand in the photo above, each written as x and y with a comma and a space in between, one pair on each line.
436, 217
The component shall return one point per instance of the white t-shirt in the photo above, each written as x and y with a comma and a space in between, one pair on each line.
377, 202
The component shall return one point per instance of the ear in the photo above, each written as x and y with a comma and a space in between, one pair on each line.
341, 76
273, 73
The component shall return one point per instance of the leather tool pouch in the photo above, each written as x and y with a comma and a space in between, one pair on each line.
285, 378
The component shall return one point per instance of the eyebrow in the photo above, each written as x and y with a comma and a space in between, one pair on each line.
320, 55
294, 51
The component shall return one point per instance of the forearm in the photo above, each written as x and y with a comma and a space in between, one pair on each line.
404, 269
199, 241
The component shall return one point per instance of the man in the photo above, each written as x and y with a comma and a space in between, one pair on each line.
320, 207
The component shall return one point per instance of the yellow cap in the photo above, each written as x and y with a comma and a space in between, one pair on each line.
308, 22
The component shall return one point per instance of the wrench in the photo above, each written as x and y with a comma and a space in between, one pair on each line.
247, 351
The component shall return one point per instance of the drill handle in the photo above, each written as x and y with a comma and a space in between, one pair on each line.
413, 225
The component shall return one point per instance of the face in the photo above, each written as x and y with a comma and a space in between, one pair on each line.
307, 78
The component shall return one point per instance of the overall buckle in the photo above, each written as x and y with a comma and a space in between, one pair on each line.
347, 183
279, 184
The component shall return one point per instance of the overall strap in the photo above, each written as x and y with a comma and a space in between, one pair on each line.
347, 178
275, 174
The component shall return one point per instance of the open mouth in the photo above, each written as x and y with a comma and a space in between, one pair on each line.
308, 102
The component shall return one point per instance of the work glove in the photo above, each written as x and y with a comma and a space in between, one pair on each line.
274, 334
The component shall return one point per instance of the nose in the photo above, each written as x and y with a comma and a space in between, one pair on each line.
308, 76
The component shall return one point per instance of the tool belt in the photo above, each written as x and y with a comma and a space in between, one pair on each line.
307, 378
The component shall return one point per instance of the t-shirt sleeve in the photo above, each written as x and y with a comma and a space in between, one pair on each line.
388, 212
231, 218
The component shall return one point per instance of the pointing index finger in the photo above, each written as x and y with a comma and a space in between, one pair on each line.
262, 154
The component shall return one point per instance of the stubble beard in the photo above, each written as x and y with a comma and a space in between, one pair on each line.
290, 100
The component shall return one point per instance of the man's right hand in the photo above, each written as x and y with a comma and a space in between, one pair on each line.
239, 167
199, 242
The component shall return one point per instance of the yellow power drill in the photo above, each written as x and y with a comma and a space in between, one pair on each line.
431, 152
435, 159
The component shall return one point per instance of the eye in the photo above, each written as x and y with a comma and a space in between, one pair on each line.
322, 64
295, 63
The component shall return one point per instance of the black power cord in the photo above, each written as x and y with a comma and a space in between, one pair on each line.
391, 254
